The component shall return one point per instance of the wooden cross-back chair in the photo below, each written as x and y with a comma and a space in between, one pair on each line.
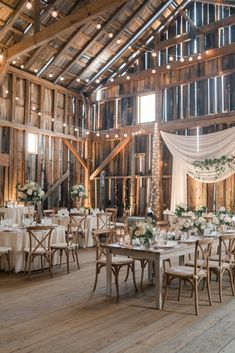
39, 245
70, 246
102, 237
49, 213
81, 221
193, 274
224, 261
114, 214
104, 220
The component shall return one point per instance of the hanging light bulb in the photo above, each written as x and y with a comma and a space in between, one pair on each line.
87, 80
119, 41
98, 134
78, 79
171, 58
29, 5
110, 35
182, 59
97, 81
98, 26
125, 135
76, 129
154, 54
116, 136
199, 56
128, 77
107, 136
111, 79
153, 71
61, 78
168, 67
50, 75
1, 57
190, 58
54, 13
22, 66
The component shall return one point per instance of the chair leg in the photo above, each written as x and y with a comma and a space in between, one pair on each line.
25, 262
166, 291
180, 289
76, 255
195, 284
208, 286
231, 280
41, 263
116, 273
61, 253
67, 259
127, 273
133, 274
9, 261
220, 286
29, 265
96, 277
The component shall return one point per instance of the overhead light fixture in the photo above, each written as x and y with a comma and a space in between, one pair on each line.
87, 80
125, 135
111, 79
153, 71
190, 58
110, 35
154, 54
116, 136
128, 77
50, 75
97, 81
78, 79
64, 124
1, 57
98, 134
53, 120
119, 41
54, 13
168, 67
39, 113
13, 62
182, 59
87, 132
6, 91
36, 71
22, 66
107, 136
33, 108
16, 98
199, 56
29, 5
98, 26
61, 78
171, 58
76, 129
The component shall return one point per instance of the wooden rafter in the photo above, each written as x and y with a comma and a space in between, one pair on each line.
111, 156
90, 42
76, 155
161, 8
13, 17
111, 42
79, 17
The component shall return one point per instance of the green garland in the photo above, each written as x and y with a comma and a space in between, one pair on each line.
215, 165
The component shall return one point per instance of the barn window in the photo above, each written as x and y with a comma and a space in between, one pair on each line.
146, 108
32, 143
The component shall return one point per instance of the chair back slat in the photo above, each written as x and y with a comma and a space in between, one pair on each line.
81, 220
114, 213
73, 232
104, 220
202, 252
226, 249
101, 237
41, 237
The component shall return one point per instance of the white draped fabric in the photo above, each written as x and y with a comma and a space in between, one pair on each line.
187, 149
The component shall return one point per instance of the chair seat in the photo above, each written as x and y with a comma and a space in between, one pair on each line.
120, 225
38, 251
212, 264
5, 249
184, 271
63, 246
117, 260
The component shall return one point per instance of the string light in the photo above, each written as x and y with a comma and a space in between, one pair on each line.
50, 75
36, 71
110, 35
87, 132
199, 56
64, 124
76, 129
171, 58
154, 71
111, 79
1, 57
78, 79
97, 81
98, 134
13, 62
116, 136
54, 13
154, 54
29, 5
22, 66
168, 67
53, 120
128, 77
98, 26
107, 136
190, 58
119, 41
155, 201
61, 78
87, 80
182, 59
125, 135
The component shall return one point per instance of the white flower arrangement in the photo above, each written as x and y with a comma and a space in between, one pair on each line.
78, 191
144, 232
30, 192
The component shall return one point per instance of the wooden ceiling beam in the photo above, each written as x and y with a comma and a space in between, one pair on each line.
90, 42
8, 7
79, 17
13, 17
111, 156
112, 41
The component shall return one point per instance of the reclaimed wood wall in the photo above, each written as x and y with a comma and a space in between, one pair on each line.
28, 104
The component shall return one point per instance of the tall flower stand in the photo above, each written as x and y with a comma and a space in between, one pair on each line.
77, 202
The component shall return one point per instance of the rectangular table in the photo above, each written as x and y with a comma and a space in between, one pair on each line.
155, 255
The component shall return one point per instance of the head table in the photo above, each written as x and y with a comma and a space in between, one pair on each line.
18, 239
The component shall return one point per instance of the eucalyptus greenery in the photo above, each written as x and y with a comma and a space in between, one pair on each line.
215, 165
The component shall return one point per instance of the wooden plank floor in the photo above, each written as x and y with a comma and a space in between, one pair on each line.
63, 315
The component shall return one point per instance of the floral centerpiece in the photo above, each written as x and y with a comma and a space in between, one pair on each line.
143, 233
186, 225
224, 216
30, 192
200, 223
180, 209
78, 191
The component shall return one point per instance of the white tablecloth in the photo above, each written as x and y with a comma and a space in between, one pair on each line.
18, 239
14, 214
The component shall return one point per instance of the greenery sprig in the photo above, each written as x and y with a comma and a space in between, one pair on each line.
214, 165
